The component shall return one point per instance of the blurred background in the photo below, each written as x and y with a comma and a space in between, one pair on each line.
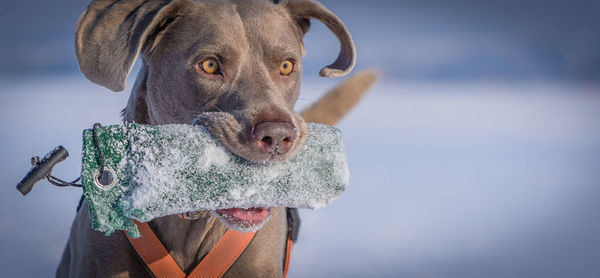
477, 154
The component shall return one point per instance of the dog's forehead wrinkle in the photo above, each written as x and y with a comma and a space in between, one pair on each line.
274, 36
208, 25
254, 83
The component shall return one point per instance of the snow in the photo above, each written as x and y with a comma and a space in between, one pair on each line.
171, 169
487, 179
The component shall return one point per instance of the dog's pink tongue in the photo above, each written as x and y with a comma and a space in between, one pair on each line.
251, 214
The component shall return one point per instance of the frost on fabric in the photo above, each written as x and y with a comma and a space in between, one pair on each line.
170, 169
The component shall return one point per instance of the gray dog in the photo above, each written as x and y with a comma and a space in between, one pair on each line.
238, 59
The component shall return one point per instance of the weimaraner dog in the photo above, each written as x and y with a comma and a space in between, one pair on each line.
240, 59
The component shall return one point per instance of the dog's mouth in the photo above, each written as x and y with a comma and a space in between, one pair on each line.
244, 220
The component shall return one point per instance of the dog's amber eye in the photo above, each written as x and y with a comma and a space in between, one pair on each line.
286, 67
210, 66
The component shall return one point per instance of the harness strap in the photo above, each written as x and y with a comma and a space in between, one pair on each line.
293, 229
288, 256
223, 255
154, 254
214, 264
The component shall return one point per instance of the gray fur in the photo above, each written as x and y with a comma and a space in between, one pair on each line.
250, 38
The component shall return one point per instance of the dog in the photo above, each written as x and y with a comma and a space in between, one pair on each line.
239, 62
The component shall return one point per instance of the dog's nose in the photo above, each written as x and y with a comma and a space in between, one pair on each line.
274, 137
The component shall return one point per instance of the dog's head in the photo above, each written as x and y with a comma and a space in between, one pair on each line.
238, 60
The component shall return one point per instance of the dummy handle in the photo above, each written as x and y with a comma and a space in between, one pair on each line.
40, 170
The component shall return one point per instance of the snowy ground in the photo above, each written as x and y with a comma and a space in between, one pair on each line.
447, 180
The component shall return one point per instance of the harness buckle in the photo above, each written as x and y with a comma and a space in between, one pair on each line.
193, 215
293, 220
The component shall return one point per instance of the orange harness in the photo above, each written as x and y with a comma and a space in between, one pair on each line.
215, 263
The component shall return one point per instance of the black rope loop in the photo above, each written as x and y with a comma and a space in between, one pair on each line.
58, 182
97, 145
35, 161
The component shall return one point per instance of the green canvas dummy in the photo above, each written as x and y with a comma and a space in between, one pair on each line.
170, 169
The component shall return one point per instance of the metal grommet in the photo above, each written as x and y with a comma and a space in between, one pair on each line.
108, 179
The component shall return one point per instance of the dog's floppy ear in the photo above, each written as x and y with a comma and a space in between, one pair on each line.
111, 33
302, 10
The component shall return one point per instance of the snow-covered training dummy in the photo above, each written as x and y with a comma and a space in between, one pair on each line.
153, 171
